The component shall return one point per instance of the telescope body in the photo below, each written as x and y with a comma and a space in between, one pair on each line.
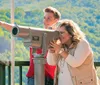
35, 37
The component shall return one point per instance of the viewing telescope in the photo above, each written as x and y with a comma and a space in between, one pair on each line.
35, 37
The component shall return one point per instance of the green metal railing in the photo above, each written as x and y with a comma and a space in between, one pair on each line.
20, 64
3, 66
2, 73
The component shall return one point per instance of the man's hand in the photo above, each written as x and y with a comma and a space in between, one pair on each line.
7, 26
0, 23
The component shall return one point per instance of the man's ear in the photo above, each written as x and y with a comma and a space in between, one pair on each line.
57, 20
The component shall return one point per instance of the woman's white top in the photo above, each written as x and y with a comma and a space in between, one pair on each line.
64, 77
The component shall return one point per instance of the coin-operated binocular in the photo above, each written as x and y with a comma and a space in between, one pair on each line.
36, 38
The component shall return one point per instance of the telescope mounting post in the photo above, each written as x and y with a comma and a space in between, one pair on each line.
39, 61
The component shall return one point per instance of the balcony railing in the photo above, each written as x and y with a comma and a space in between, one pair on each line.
20, 64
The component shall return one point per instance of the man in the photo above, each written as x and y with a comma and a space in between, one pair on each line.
51, 17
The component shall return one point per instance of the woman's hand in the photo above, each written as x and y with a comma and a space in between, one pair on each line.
55, 46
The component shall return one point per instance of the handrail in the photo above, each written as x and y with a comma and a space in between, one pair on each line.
4, 64
97, 64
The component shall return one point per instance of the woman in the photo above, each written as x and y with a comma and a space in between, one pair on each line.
72, 56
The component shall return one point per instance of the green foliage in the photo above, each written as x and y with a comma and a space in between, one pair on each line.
19, 13
30, 13
1, 32
5, 56
21, 53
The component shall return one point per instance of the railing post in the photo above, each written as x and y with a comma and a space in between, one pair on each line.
2, 74
9, 75
21, 64
20, 75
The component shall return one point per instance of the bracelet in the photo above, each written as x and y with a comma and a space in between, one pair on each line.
61, 50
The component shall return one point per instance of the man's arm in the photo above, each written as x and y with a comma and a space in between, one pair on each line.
7, 26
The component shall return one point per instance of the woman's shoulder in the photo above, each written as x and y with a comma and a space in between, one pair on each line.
84, 42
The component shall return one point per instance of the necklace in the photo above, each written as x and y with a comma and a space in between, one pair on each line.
62, 62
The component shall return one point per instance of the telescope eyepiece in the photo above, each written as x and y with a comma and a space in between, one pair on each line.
14, 30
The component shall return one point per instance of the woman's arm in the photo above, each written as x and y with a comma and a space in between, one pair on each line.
82, 51
52, 58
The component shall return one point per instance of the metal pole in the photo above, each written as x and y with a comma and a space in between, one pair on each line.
39, 77
12, 45
39, 62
